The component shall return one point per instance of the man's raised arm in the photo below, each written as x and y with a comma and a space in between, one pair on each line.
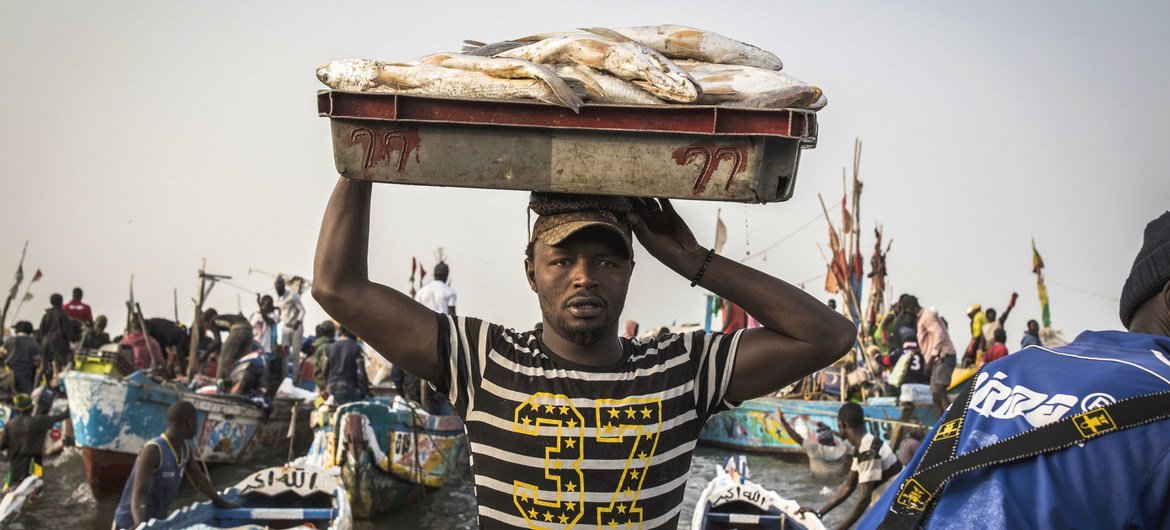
799, 335
399, 328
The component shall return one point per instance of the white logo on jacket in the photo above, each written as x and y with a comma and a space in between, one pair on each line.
1098, 400
994, 399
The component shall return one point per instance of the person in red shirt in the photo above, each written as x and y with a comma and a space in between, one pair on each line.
78, 310
997, 350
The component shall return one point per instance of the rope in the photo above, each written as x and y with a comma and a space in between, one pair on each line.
783, 239
799, 410
1082, 291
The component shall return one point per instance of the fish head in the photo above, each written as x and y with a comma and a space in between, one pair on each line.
351, 74
663, 77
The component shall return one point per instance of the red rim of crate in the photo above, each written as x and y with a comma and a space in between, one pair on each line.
797, 124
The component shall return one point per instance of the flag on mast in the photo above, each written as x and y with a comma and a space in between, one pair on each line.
1041, 289
36, 277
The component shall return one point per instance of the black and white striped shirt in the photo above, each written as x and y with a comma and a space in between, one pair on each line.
557, 445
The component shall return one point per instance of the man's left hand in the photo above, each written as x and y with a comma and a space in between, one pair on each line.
665, 235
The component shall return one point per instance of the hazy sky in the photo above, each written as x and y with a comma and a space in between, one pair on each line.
141, 137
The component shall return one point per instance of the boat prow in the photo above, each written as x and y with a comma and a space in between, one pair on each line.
730, 500
299, 496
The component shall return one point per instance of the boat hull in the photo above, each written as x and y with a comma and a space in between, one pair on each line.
386, 452
755, 426
113, 418
277, 497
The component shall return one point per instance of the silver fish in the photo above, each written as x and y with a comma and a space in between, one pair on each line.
363, 75
624, 59
682, 42
723, 82
509, 69
789, 97
600, 87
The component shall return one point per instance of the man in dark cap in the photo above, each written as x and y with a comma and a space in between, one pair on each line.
573, 424
22, 355
1077, 429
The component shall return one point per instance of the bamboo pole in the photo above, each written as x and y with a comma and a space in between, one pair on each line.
12, 292
197, 326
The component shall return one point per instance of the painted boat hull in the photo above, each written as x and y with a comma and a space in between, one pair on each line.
732, 501
113, 417
278, 497
755, 426
386, 453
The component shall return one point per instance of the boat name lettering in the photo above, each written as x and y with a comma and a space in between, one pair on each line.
881, 428
751, 495
274, 481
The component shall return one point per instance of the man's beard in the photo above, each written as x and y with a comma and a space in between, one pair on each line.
585, 333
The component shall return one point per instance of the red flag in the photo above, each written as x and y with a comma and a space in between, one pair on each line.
36, 276
846, 218
422, 274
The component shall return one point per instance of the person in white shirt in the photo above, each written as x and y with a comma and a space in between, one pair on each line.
264, 323
292, 316
437, 295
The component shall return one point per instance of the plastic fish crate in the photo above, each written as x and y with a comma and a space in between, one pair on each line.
674, 151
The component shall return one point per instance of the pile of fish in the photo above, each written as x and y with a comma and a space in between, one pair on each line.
648, 65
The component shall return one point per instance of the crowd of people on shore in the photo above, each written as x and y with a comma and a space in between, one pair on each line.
243, 355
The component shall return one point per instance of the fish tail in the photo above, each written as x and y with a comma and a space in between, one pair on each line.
562, 91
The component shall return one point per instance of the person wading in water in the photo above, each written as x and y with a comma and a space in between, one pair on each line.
24, 439
571, 424
158, 472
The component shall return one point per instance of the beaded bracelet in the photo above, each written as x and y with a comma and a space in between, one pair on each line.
706, 262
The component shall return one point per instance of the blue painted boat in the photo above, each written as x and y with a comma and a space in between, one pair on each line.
114, 416
386, 450
277, 497
755, 426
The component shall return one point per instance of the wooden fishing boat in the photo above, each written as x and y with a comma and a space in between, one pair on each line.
114, 416
277, 497
755, 426
386, 450
730, 500
15, 499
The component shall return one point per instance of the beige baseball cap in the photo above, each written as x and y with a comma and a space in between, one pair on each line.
552, 229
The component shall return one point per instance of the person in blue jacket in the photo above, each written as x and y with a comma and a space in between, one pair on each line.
1117, 480
159, 470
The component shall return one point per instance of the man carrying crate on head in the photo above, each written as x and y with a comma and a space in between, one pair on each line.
571, 424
